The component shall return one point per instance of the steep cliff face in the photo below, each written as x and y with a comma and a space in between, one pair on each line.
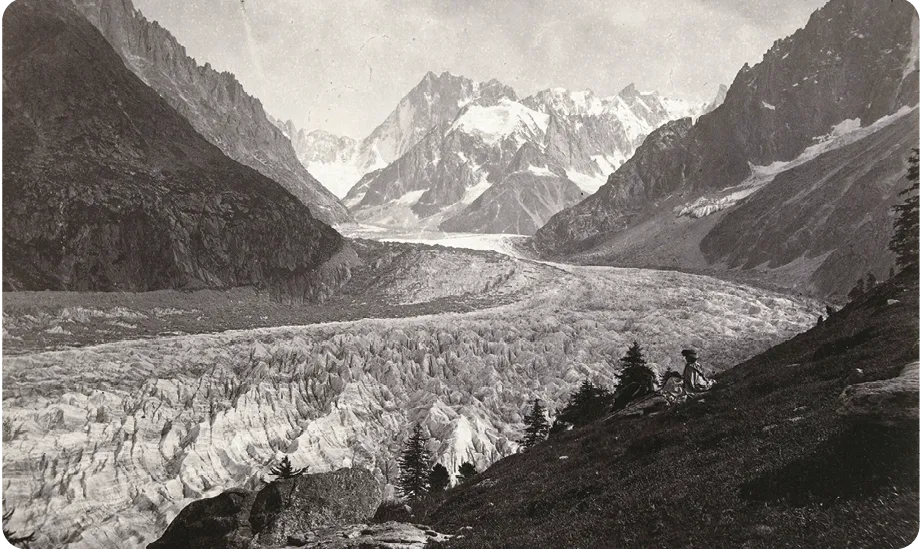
853, 63
214, 103
106, 187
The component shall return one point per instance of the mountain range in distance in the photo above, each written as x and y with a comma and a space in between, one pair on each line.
451, 139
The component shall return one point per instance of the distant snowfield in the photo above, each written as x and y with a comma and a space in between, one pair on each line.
103, 445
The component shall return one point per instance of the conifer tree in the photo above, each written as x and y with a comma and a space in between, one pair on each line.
438, 479
637, 378
585, 405
870, 281
414, 465
536, 426
857, 291
905, 240
285, 471
466, 472
636, 370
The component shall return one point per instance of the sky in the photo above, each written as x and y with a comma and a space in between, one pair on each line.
342, 65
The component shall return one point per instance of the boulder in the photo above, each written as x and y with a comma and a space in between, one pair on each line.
217, 522
291, 507
888, 402
286, 512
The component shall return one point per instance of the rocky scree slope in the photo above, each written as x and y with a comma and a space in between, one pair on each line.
770, 458
106, 187
214, 103
854, 62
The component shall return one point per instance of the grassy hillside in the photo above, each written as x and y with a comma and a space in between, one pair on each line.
763, 460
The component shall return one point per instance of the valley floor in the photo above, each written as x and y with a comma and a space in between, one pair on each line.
111, 424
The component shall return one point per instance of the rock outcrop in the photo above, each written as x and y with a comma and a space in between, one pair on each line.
890, 402
284, 512
295, 506
107, 187
391, 534
214, 103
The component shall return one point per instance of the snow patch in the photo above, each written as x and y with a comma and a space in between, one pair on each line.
471, 193
494, 123
411, 198
540, 171
588, 184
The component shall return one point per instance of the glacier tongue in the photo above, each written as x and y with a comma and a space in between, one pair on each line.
115, 439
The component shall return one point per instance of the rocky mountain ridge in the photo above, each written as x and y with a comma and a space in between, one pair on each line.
852, 64
214, 102
107, 187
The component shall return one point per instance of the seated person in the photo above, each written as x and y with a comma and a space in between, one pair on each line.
694, 377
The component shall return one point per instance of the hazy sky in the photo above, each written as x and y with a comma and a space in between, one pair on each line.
342, 65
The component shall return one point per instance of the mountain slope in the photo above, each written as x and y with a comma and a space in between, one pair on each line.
764, 460
215, 103
106, 187
438, 181
853, 63
813, 225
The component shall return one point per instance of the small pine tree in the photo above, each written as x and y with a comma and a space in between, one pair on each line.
830, 311
636, 370
819, 320
857, 291
414, 465
637, 378
438, 479
870, 281
11, 536
905, 240
285, 471
536, 426
466, 472
585, 405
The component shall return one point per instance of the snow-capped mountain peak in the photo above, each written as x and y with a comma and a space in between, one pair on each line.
465, 176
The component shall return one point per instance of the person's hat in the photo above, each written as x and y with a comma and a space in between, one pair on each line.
690, 354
